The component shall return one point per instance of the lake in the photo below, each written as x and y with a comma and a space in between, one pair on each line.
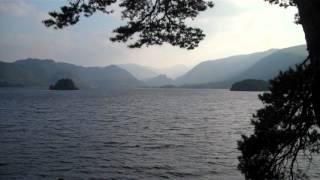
133, 134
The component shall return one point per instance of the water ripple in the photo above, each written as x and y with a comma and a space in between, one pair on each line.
136, 134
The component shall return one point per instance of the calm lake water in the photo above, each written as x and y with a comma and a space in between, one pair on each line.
136, 134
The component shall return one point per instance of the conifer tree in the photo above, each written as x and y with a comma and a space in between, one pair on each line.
285, 130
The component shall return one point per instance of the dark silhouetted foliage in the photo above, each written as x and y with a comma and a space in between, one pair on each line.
288, 127
64, 84
152, 21
284, 129
250, 85
309, 17
283, 3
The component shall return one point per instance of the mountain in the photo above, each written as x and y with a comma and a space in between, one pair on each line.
269, 66
36, 72
262, 65
145, 72
221, 73
161, 80
138, 71
221, 69
108, 77
174, 71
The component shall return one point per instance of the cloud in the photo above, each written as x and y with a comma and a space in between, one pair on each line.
255, 26
14, 8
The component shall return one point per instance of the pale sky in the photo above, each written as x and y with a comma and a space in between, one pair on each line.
231, 27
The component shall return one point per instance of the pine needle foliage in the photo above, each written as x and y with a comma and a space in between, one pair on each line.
285, 130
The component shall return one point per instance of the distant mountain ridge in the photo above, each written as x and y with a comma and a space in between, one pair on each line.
38, 72
262, 66
161, 80
221, 69
269, 66
221, 73
139, 71
174, 71
144, 72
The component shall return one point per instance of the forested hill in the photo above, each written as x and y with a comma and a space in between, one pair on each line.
262, 65
37, 72
268, 67
221, 73
221, 69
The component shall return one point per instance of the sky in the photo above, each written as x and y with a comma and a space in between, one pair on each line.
232, 27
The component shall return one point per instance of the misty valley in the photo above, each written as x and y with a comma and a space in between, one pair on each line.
213, 74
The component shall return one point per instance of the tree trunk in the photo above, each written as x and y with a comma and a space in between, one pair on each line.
309, 11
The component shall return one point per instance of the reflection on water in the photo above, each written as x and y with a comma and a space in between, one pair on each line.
143, 133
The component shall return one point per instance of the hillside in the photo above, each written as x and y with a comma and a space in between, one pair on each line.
36, 72
138, 71
173, 71
262, 65
268, 67
221, 69
145, 72
158, 81
219, 73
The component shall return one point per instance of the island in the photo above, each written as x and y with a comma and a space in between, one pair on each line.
250, 85
64, 84
168, 86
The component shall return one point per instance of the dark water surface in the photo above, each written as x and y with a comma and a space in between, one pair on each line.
136, 134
